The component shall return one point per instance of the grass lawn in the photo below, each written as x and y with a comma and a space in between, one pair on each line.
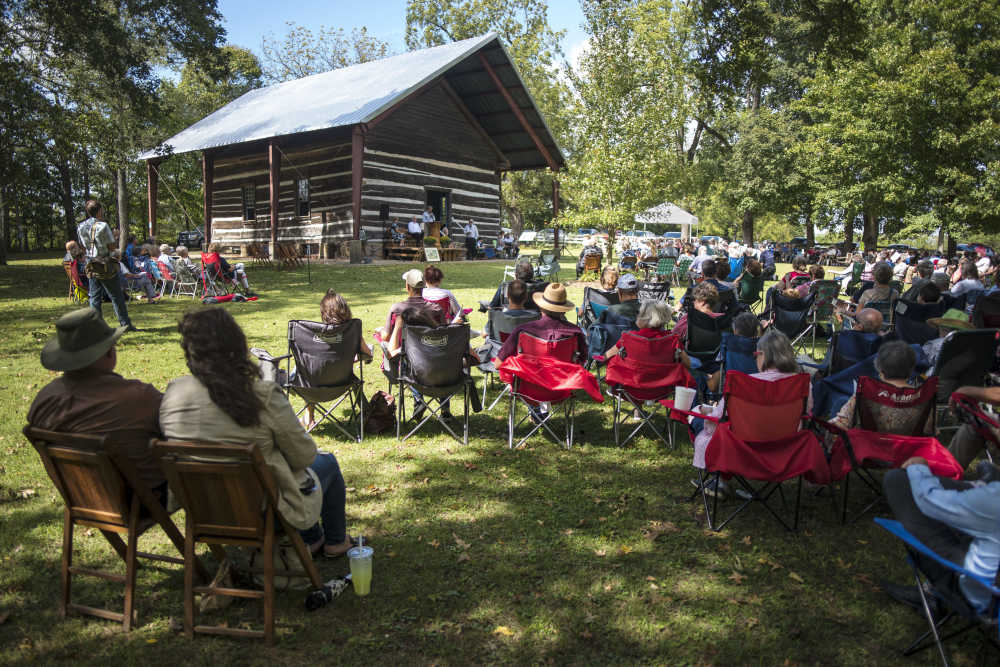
482, 555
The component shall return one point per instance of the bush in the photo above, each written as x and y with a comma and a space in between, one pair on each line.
430, 242
445, 240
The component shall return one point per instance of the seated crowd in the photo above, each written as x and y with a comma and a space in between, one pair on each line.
224, 398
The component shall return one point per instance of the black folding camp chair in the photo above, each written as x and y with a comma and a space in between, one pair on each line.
911, 321
790, 316
324, 356
824, 293
653, 291
965, 359
595, 302
704, 335
500, 326
435, 362
986, 312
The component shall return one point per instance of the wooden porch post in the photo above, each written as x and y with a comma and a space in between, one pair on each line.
207, 179
555, 209
152, 188
274, 160
357, 167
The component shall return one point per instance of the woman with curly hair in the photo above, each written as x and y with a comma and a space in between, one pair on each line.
224, 400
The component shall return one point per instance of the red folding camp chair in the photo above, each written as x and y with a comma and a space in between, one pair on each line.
536, 357
879, 444
641, 375
445, 306
759, 438
77, 292
986, 425
213, 280
166, 276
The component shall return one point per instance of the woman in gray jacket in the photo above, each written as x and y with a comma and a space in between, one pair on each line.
224, 400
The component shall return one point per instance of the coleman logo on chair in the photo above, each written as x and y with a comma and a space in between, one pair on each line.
334, 339
434, 341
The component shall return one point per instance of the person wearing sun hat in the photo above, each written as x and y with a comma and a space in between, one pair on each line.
90, 398
552, 325
952, 320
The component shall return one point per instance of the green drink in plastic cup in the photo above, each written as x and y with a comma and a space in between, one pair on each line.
361, 569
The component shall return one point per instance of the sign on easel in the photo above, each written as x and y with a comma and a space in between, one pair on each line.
432, 254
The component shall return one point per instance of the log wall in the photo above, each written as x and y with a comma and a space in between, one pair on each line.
425, 144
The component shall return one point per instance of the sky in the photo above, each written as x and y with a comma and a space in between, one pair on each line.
248, 21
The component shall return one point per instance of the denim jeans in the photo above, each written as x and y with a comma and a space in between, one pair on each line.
332, 526
113, 288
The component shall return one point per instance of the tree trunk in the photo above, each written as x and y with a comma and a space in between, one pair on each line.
810, 228
747, 228
121, 188
940, 239
4, 215
870, 234
66, 180
849, 230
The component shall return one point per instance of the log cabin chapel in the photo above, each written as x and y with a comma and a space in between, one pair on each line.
312, 162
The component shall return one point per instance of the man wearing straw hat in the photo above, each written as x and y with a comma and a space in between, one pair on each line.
552, 325
952, 320
90, 398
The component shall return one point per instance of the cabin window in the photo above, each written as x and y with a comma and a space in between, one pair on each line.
249, 202
302, 196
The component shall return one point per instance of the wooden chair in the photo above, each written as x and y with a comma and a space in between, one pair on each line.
229, 497
288, 255
257, 252
102, 489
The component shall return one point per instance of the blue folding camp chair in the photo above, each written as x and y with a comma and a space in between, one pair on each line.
917, 555
595, 302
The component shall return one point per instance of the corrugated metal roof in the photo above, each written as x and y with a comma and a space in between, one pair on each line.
359, 93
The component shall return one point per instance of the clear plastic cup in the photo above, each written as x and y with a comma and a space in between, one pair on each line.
361, 569
684, 397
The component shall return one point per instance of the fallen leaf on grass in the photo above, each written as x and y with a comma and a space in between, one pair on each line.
792, 575
654, 586
586, 634
460, 542
463, 557
151, 641
391, 554
568, 531
471, 466
737, 577
434, 543
747, 540
503, 631
650, 578
601, 552
658, 528
25, 493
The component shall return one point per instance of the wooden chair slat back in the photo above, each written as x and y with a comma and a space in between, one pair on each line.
82, 470
223, 488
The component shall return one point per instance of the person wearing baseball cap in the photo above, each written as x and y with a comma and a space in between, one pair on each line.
552, 325
90, 398
414, 282
628, 298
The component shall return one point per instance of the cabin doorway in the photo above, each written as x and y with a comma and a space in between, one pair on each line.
440, 203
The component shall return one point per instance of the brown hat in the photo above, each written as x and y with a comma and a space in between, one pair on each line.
553, 298
82, 337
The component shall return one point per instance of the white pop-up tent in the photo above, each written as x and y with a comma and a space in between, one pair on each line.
668, 214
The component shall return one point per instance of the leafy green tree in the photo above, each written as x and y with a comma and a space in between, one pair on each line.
534, 46
302, 52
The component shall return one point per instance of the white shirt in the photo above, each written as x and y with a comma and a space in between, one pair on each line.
427, 216
414, 227
166, 259
983, 264
471, 230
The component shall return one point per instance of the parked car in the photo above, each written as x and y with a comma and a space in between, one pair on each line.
902, 247
192, 239
546, 237
671, 235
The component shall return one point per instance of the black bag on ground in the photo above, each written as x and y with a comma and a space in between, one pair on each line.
380, 413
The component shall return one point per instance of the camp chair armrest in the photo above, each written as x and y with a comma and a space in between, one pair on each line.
281, 358
897, 529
